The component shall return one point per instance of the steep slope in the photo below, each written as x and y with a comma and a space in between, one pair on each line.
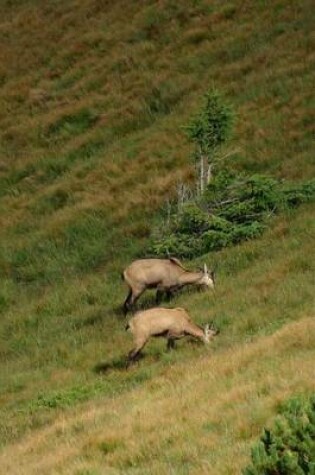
92, 108
93, 98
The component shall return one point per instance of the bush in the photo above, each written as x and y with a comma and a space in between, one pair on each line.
228, 207
232, 209
288, 448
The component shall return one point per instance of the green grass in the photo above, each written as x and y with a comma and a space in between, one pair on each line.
91, 146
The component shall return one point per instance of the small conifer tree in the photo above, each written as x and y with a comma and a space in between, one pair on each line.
229, 206
209, 129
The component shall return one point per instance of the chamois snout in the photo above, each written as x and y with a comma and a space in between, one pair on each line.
210, 331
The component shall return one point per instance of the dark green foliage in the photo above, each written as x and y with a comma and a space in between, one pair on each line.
233, 208
213, 125
230, 207
209, 130
288, 448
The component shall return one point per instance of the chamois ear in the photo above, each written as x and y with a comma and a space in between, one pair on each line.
213, 328
205, 269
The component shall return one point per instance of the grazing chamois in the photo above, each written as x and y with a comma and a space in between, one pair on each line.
170, 323
166, 275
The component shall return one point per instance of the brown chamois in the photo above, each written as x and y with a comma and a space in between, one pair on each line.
166, 275
170, 323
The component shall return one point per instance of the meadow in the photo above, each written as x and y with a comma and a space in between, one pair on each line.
93, 100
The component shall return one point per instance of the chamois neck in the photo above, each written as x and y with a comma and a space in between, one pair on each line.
197, 332
187, 277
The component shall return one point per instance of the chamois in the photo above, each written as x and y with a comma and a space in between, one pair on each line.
166, 275
170, 323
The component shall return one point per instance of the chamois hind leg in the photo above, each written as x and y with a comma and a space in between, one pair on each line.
134, 354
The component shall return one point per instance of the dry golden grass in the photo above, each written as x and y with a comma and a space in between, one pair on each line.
203, 414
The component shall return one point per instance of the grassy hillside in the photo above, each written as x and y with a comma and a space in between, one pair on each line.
93, 98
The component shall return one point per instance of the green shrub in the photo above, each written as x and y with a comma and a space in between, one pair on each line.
228, 207
288, 448
192, 219
233, 208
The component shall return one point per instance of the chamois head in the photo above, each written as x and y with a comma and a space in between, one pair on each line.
207, 279
209, 332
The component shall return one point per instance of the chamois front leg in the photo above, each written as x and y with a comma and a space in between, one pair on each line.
171, 338
126, 306
169, 295
159, 293
132, 357
158, 296
170, 344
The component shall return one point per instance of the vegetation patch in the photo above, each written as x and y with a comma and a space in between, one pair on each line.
108, 446
70, 125
53, 202
228, 207
83, 392
234, 207
289, 447
69, 397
